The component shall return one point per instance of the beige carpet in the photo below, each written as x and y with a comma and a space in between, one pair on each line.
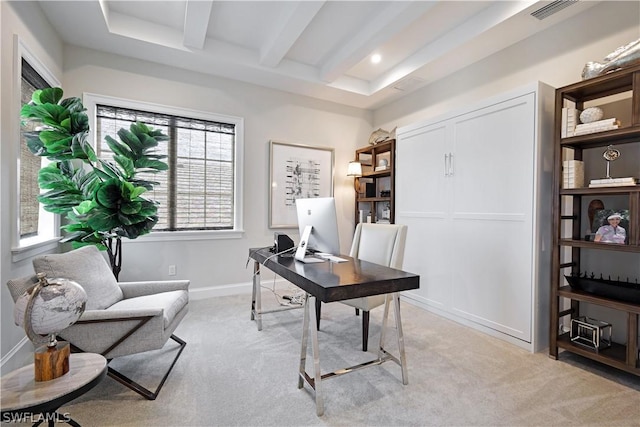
231, 374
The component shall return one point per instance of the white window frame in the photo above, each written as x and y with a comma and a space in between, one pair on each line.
48, 223
91, 100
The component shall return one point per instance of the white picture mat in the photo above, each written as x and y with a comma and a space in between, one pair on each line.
297, 171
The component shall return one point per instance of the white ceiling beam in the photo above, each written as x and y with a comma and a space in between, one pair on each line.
386, 24
196, 22
295, 18
452, 40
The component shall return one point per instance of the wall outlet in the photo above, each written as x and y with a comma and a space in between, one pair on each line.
172, 270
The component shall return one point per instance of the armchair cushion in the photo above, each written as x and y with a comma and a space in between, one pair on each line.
170, 303
87, 267
138, 289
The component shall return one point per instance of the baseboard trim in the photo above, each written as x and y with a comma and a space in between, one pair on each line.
8, 362
226, 290
423, 304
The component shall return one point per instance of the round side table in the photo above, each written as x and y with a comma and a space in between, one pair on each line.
24, 399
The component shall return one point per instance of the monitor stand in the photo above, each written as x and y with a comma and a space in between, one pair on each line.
302, 247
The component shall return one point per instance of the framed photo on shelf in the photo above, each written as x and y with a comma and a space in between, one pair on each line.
296, 171
611, 226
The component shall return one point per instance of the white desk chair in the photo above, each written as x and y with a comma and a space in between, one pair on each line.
381, 244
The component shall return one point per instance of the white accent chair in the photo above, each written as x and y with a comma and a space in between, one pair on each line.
121, 318
381, 244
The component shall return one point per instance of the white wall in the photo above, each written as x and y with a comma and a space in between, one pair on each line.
38, 36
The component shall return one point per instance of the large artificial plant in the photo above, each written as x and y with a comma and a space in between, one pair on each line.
101, 200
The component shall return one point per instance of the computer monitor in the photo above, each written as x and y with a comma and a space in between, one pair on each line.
320, 213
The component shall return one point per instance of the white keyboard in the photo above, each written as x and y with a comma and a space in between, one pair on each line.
330, 257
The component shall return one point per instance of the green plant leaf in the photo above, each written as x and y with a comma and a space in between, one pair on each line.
81, 149
34, 144
149, 185
118, 148
109, 194
152, 165
73, 105
84, 207
50, 95
103, 220
89, 152
126, 164
131, 140
130, 208
110, 170
79, 122
137, 192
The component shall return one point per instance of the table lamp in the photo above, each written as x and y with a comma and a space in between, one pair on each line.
355, 170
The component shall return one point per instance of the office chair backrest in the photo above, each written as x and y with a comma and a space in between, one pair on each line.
380, 243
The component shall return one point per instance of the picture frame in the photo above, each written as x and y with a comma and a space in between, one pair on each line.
296, 171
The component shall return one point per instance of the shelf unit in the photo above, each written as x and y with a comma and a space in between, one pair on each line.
569, 245
381, 180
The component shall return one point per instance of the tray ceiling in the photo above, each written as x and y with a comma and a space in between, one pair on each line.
320, 49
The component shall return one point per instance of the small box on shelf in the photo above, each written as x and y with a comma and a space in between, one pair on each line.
572, 174
591, 333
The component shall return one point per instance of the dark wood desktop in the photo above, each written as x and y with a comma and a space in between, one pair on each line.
330, 282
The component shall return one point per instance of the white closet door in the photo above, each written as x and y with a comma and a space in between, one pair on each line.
422, 204
491, 210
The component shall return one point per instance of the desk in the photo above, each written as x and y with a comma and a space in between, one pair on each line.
330, 282
23, 398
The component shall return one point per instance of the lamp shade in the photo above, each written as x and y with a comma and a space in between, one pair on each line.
354, 169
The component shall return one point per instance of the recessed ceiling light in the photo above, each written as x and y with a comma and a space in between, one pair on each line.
375, 58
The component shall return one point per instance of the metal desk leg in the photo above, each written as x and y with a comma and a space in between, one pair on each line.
256, 300
383, 330
403, 357
316, 381
394, 299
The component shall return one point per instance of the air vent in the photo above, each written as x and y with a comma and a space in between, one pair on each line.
407, 83
551, 8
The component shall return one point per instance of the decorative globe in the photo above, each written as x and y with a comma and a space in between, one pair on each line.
591, 114
57, 304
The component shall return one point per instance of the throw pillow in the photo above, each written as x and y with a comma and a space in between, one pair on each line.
87, 267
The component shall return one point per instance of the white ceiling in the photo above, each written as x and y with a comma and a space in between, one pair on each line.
320, 49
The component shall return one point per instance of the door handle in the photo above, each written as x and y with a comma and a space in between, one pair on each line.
446, 164
450, 164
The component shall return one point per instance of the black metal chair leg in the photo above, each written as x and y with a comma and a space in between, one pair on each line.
146, 393
318, 306
365, 330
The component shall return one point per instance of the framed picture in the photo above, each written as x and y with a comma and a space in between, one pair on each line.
297, 171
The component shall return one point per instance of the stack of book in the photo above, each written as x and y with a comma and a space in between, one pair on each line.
572, 174
598, 126
569, 121
613, 182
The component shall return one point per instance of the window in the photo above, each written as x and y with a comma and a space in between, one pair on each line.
36, 230
29, 163
200, 191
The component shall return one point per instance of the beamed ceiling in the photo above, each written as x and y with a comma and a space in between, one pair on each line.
321, 49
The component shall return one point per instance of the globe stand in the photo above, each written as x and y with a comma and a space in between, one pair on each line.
51, 362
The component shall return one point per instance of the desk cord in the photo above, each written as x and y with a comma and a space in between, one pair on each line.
296, 299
